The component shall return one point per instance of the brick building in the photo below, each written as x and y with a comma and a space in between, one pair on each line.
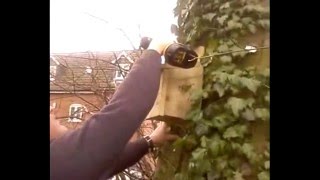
81, 83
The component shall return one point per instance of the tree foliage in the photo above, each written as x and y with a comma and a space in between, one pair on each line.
219, 142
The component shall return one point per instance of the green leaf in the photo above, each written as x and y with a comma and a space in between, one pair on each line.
248, 150
225, 6
265, 175
199, 153
205, 94
180, 142
233, 25
248, 114
267, 164
212, 175
235, 17
221, 121
221, 163
252, 28
222, 19
266, 72
246, 20
262, 113
267, 97
251, 84
238, 176
180, 176
209, 16
219, 88
204, 166
236, 104
267, 154
235, 131
225, 59
201, 129
265, 23
223, 48
214, 148
196, 95
191, 115
204, 141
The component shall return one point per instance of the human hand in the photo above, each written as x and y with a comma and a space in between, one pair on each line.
160, 45
162, 134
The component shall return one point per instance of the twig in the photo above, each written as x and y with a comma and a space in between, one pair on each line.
120, 29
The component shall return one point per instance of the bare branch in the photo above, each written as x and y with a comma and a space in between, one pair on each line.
118, 28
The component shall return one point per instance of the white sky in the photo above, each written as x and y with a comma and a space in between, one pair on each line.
73, 30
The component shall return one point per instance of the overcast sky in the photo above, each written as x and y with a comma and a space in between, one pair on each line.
72, 29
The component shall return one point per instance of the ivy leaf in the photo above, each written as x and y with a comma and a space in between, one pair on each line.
265, 23
212, 175
225, 6
221, 121
204, 141
246, 20
218, 87
251, 84
214, 148
204, 166
262, 113
267, 97
196, 95
225, 59
223, 48
199, 153
238, 176
221, 163
222, 19
252, 28
266, 72
265, 175
248, 150
233, 25
235, 17
236, 104
180, 176
205, 94
194, 114
266, 154
249, 115
234, 162
201, 129
209, 16
180, 142
235, 131
226, 68
267, 164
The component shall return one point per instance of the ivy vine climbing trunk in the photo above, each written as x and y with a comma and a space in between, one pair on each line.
228, 136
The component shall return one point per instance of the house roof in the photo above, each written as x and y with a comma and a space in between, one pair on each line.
87, 71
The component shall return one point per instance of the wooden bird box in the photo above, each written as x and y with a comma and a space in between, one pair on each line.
176, 86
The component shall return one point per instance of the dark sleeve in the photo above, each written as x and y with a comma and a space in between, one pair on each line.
93, 149
131, 154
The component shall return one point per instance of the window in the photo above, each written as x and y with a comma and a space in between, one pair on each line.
123, 71
76, 112
53, 72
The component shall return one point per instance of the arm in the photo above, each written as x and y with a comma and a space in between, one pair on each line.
87, 152
132, 153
